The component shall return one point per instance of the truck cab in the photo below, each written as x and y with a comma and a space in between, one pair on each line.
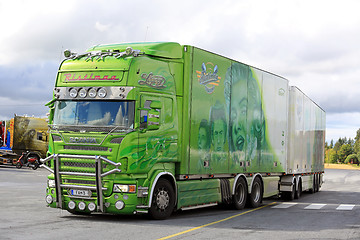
113, 127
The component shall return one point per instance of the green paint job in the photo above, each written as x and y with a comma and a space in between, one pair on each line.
196, 114
195, 192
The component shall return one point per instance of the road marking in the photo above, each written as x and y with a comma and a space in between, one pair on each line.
315, 206
284, 205
345, 207
212, 223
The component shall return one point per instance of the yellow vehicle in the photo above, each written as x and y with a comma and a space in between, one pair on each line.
24, 134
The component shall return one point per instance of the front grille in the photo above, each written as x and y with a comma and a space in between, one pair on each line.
85, 148
81, 164
79, 181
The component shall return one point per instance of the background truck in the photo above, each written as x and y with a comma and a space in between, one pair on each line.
23, 134
156, 127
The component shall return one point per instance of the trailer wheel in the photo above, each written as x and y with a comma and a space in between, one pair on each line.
316, 182
240, 194
298, 190
256, 195
313, 189
290, 195
163, 201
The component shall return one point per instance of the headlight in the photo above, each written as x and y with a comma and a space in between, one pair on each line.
122, 188
51, 183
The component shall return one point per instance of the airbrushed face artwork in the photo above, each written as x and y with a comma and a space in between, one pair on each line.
238, 123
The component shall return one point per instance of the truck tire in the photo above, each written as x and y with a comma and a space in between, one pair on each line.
240, 194
313, 189
163, 200
290, 195
256, 195
298, 190
316, 182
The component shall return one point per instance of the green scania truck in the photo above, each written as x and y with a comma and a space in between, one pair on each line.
156, 127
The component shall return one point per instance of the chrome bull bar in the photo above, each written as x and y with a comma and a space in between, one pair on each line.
98, 176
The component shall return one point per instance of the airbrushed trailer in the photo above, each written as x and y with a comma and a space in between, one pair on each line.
156, 127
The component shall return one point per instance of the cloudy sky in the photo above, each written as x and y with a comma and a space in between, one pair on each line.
315, 44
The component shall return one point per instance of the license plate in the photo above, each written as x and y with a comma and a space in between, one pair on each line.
80, 193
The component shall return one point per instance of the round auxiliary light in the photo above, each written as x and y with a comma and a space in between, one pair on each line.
71, 205
67, 53
102, 92
73, 93
82, 206
91, 206
82, 93
92, 92
119, 205
49, 199
128, 51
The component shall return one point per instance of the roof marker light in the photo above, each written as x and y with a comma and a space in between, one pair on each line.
73, 93
82, 93
92, 92
102, 93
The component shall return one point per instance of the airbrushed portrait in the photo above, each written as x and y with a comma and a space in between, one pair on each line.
247, 124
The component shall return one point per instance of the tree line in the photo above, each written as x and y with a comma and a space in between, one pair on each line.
344, 150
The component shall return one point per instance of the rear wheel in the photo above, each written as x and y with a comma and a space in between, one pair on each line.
240, 194
163, 200
256, 195
290, 195
313, 189
298, 190
35, 165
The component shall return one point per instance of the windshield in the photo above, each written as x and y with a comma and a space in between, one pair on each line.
95, 113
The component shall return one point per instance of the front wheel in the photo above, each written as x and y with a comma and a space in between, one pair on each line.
240, 194
256, 195
163, 200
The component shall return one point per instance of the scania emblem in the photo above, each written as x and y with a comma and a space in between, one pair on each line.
82, 140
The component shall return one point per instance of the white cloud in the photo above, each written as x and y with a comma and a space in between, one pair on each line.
102, 27
312, 43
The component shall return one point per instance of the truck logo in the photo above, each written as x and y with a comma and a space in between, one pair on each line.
209, 79
151, 80
82, 140
88, 77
